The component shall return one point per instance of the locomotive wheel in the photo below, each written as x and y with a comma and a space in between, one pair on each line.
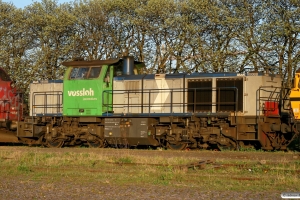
97, 143
55, 143
178, 146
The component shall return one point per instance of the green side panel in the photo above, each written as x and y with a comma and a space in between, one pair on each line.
84, 97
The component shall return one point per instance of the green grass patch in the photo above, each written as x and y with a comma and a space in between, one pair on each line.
124, 168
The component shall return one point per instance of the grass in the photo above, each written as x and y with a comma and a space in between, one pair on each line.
123, 168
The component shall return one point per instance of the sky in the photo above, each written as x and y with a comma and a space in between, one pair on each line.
23, 3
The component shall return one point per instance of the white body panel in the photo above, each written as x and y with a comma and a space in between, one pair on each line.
251, 94
121, 98
165, 94
46, 98
158, 95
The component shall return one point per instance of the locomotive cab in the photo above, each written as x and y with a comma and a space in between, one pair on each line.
83, 86
88, 85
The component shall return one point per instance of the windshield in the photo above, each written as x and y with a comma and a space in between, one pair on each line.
85, 72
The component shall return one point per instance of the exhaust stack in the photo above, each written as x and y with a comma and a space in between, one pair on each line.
128, 65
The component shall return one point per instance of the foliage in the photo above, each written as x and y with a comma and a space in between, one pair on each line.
170, 36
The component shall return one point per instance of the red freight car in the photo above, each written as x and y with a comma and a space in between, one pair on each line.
10, 102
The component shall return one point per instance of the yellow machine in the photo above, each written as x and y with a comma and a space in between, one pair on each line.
295, 96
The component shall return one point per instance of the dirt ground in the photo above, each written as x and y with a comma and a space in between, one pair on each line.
20, 188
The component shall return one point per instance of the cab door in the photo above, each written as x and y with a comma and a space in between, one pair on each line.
108, 90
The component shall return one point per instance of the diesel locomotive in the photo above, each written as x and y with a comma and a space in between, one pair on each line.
113, 103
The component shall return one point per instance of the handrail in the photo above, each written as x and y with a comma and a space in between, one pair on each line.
45, 105
268, 94
168, 99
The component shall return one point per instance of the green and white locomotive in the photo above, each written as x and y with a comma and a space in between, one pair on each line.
112, 103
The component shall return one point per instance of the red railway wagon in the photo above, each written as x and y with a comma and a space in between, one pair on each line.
10, 102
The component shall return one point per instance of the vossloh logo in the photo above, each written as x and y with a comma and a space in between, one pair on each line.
83, 92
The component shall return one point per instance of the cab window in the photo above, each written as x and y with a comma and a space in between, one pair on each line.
79, 72
94, 73
85, 72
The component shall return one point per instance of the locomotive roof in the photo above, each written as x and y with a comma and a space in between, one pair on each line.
174, 76
90, 63
190, 76
94, 62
